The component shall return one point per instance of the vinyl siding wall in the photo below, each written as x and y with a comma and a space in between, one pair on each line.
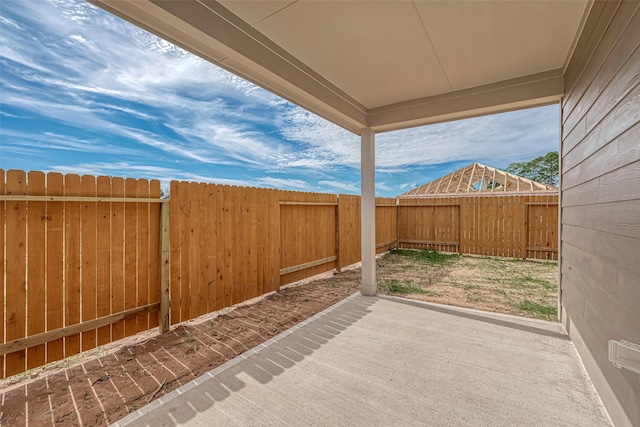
600, 200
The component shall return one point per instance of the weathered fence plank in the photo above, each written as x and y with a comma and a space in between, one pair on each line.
15, 270
143, 253
130, 252
89, 260
117, 256
2, 260
72, 262
350, 242
36, 212
155, 250
103, 258
55, 265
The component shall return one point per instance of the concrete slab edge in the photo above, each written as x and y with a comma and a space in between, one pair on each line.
473, 310
205, 377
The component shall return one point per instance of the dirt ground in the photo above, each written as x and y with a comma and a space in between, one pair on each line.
503, 285
104, 385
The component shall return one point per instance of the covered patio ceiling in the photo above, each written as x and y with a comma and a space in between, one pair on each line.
383, 65
374, 66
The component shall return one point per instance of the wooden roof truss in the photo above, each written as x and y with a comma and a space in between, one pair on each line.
478, 178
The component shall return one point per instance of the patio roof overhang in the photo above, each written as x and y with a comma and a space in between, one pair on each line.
384, 65
375, 66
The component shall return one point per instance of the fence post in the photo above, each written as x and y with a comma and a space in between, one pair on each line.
525, 238
338, 235
459, 228
397, 223
165, 267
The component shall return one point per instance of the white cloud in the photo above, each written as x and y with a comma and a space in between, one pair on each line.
408, 185
212, 180
497, 140
164, 174
284, 183
59, 63
53, 141
344, 186
7, 53
7, 21
123, 169
383, 186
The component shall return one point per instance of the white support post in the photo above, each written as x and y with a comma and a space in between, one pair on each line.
368, 211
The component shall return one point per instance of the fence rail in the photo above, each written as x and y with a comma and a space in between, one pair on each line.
81, 259
507, 226
90, 260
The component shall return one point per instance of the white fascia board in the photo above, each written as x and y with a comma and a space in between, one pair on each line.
524, 92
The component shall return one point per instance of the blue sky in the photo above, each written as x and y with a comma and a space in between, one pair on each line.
82, 91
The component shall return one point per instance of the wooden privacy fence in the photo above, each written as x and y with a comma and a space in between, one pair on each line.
81, 264
230, 244
507, 226
92, 260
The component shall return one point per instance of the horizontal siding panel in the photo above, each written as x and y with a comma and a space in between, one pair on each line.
627, 291
620, 152
622, 218
599, 18
615, 249
616, 92
583, 194
614, 321
625, 116
600, 278
594, 272
599, 308
621, 184
573, 296
574, 138
612, 52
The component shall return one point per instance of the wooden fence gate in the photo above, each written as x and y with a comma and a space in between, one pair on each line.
429, 226
541, 235
308, 235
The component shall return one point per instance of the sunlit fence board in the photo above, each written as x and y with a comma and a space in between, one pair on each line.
506, 226
84, 252
67, 265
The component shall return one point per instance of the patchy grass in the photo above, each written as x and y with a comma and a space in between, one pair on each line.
433, 257
538, 310
392, 286
505, 285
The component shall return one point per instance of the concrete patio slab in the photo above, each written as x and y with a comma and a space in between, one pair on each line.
380, 361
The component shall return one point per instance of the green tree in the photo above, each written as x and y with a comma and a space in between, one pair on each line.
542, 169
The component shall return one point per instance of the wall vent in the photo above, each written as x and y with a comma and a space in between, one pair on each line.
625, 355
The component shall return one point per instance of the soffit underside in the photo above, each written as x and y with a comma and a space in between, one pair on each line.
386, 65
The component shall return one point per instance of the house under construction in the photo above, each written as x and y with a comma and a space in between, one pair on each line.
479, 179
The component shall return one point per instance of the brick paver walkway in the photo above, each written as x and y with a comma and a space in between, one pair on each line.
102, 389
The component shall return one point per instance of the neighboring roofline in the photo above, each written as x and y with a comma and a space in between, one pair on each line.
465, 179
497, 194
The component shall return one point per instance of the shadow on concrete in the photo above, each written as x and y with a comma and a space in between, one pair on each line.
262, 363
